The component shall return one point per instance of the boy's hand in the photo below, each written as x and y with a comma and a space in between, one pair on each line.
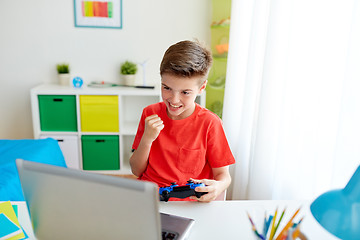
213, 188
153, 127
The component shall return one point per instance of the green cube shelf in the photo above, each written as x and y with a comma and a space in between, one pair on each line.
100, 152
57, 113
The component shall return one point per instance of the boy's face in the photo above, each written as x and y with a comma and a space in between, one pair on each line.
179, 93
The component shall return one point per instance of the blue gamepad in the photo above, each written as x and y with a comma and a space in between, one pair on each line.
176, 191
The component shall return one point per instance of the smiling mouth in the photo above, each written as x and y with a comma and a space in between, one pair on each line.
175, 106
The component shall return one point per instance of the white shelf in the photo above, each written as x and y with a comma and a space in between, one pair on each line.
54, 89
131, 102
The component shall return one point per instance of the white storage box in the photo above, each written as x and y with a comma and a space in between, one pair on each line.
70, 148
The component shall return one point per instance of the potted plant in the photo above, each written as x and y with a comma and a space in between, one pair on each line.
128, 70
63, 73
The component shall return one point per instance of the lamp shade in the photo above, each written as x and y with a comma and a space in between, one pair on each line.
338, 211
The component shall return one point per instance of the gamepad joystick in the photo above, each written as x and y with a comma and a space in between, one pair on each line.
176, 191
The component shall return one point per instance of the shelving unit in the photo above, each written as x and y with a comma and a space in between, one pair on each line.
95, 127
220, 29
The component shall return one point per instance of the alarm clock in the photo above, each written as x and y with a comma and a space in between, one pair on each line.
77, 82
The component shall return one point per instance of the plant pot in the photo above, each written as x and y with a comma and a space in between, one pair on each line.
64, 79
129, 79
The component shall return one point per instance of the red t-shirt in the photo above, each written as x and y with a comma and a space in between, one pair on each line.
186, 148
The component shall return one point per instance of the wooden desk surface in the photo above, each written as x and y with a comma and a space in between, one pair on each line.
224, 219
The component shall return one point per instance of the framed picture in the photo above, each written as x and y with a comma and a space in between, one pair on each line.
98, 13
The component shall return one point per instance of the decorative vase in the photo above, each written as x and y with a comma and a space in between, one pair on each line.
129, 79
64, 79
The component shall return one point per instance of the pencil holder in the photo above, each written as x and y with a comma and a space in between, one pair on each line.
275, 227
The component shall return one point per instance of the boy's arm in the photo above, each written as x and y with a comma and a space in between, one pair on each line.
221, 182
139, 159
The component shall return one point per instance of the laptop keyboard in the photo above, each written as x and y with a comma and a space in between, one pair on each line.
169, 235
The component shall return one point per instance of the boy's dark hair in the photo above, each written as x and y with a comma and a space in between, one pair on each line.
187, 59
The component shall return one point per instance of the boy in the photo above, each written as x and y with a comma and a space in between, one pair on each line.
177, 139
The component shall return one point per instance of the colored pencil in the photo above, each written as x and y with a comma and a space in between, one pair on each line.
264, 227
268, 224
297, 230
278, 223
289, 232
254, 228
273, 226
288, 225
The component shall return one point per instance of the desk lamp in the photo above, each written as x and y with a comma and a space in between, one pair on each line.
338, 211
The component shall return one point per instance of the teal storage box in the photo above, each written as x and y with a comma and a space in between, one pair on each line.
57, 113
100, 152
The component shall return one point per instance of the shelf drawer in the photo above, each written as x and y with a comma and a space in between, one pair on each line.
100, 152
99, 113
57, 113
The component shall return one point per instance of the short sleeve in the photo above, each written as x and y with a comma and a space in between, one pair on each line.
140, 131
147, 111
218, 151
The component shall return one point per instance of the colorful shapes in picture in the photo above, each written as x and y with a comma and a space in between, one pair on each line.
97, 9
98, 13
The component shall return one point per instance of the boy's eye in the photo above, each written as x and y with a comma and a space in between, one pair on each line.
186, 93
166, 87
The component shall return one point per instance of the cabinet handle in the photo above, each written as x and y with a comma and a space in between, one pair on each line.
60, 140
99, 140
57, 100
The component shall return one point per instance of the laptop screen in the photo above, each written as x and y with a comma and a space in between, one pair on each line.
72, 204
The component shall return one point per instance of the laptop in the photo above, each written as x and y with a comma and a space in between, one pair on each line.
71, 204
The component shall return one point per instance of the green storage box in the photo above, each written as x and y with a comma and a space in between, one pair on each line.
100, 152
57, 113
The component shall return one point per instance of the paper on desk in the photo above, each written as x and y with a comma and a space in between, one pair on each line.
8, 228
9, 219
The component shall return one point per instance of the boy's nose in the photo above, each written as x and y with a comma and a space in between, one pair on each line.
175, 98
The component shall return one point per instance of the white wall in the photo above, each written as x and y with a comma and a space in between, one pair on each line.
36, 35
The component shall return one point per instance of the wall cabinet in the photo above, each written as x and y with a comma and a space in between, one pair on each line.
95, 127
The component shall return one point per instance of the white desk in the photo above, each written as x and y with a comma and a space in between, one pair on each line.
228, 219
224, 219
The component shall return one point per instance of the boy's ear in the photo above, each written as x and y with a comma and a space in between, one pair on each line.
203, 86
